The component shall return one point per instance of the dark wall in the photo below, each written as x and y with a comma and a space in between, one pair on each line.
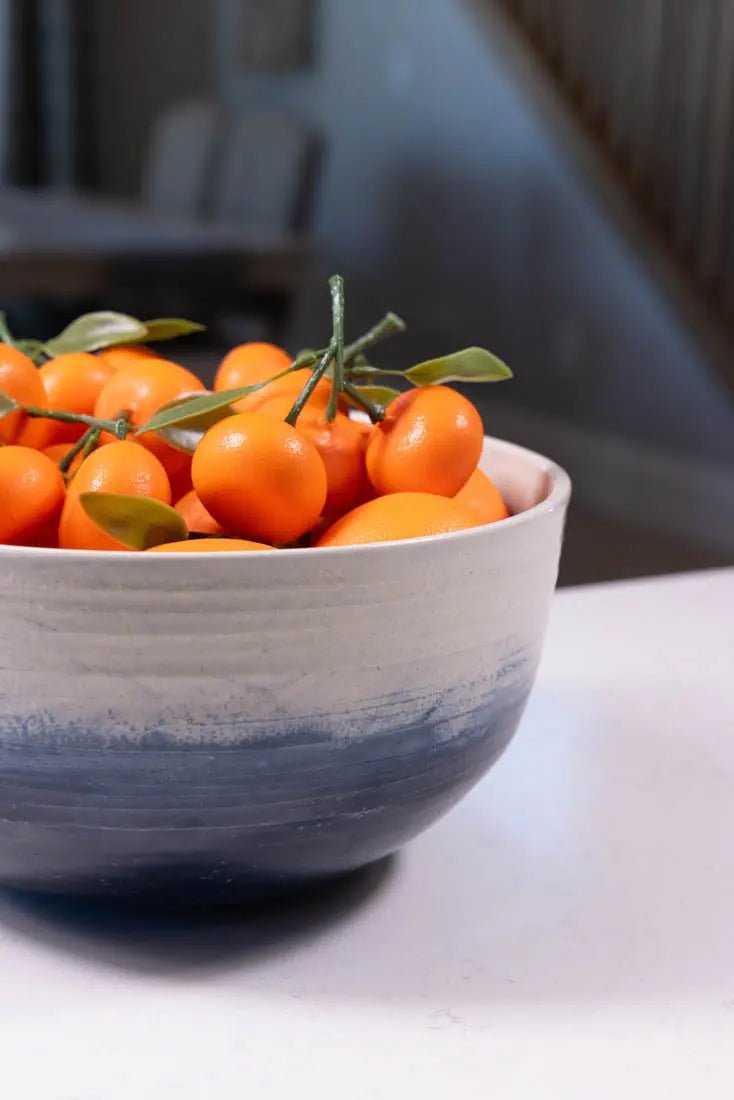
146, 55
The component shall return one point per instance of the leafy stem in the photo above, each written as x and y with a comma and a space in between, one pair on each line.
336, 285
311, 385
375, 412
389, 325
85, 444
119, 427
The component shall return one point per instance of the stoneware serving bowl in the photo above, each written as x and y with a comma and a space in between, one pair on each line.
202, 728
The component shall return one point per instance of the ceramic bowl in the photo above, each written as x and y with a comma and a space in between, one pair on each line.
204, 728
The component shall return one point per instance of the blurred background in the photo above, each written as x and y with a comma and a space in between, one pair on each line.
549, 178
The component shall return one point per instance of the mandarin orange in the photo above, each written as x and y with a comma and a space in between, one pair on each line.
72, 383
57, 451
250, 363
398, 516
21, 380
430, 441
121, 467
207, 546
32, 491
483, 498
259, 478
196, 516
125, 355
140, 389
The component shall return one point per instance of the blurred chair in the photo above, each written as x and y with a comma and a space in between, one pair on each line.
185, 143
267, 180
267, 174
256, 172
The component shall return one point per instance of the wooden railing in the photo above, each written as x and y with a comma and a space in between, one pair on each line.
650, 85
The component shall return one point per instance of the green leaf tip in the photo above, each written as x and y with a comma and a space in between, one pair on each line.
137, 522
468, 365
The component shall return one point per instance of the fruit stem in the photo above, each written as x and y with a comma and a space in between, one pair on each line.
310, 386
118, 427
86, 444
34, 349
390, 325
336, 285
376, 412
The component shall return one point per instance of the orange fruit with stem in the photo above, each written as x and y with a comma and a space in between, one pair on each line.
140, 390
57, 451
482, 497
430, 441
287, 389
72, 383
207, 546
121, 467
20, 379
125, 355
32, 491
341, 444
398, 516
259, 478
250, 364
196, 516
342, 449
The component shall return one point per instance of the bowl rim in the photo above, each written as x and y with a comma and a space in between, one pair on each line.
556, 499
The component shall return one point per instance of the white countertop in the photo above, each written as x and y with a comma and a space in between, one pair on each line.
567, 931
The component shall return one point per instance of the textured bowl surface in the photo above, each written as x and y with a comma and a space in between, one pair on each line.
207, 727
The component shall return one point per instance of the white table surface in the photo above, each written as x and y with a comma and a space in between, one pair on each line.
568, 931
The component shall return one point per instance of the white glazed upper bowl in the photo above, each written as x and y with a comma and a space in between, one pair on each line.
205, 726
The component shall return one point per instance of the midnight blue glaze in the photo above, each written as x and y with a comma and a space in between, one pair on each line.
222, 822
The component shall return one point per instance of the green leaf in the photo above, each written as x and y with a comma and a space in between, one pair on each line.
186, 438
93, 331
136, 522
7, 405
468, 365
168, 328
197, 413
379, 395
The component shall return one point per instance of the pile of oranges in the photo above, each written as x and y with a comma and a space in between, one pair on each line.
253, 479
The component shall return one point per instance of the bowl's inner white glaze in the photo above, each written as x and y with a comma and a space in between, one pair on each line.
524, 479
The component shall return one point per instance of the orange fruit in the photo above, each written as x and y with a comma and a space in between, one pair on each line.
482, 497
73, 383
57, 451
21, 380
196, 516
340, 443
259, 478
206, 546
140, 389
32, 491
123, 355
342, 448
366, 427
249, 364
398, 516
115, 468
429, 442
180, 479
287, 390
